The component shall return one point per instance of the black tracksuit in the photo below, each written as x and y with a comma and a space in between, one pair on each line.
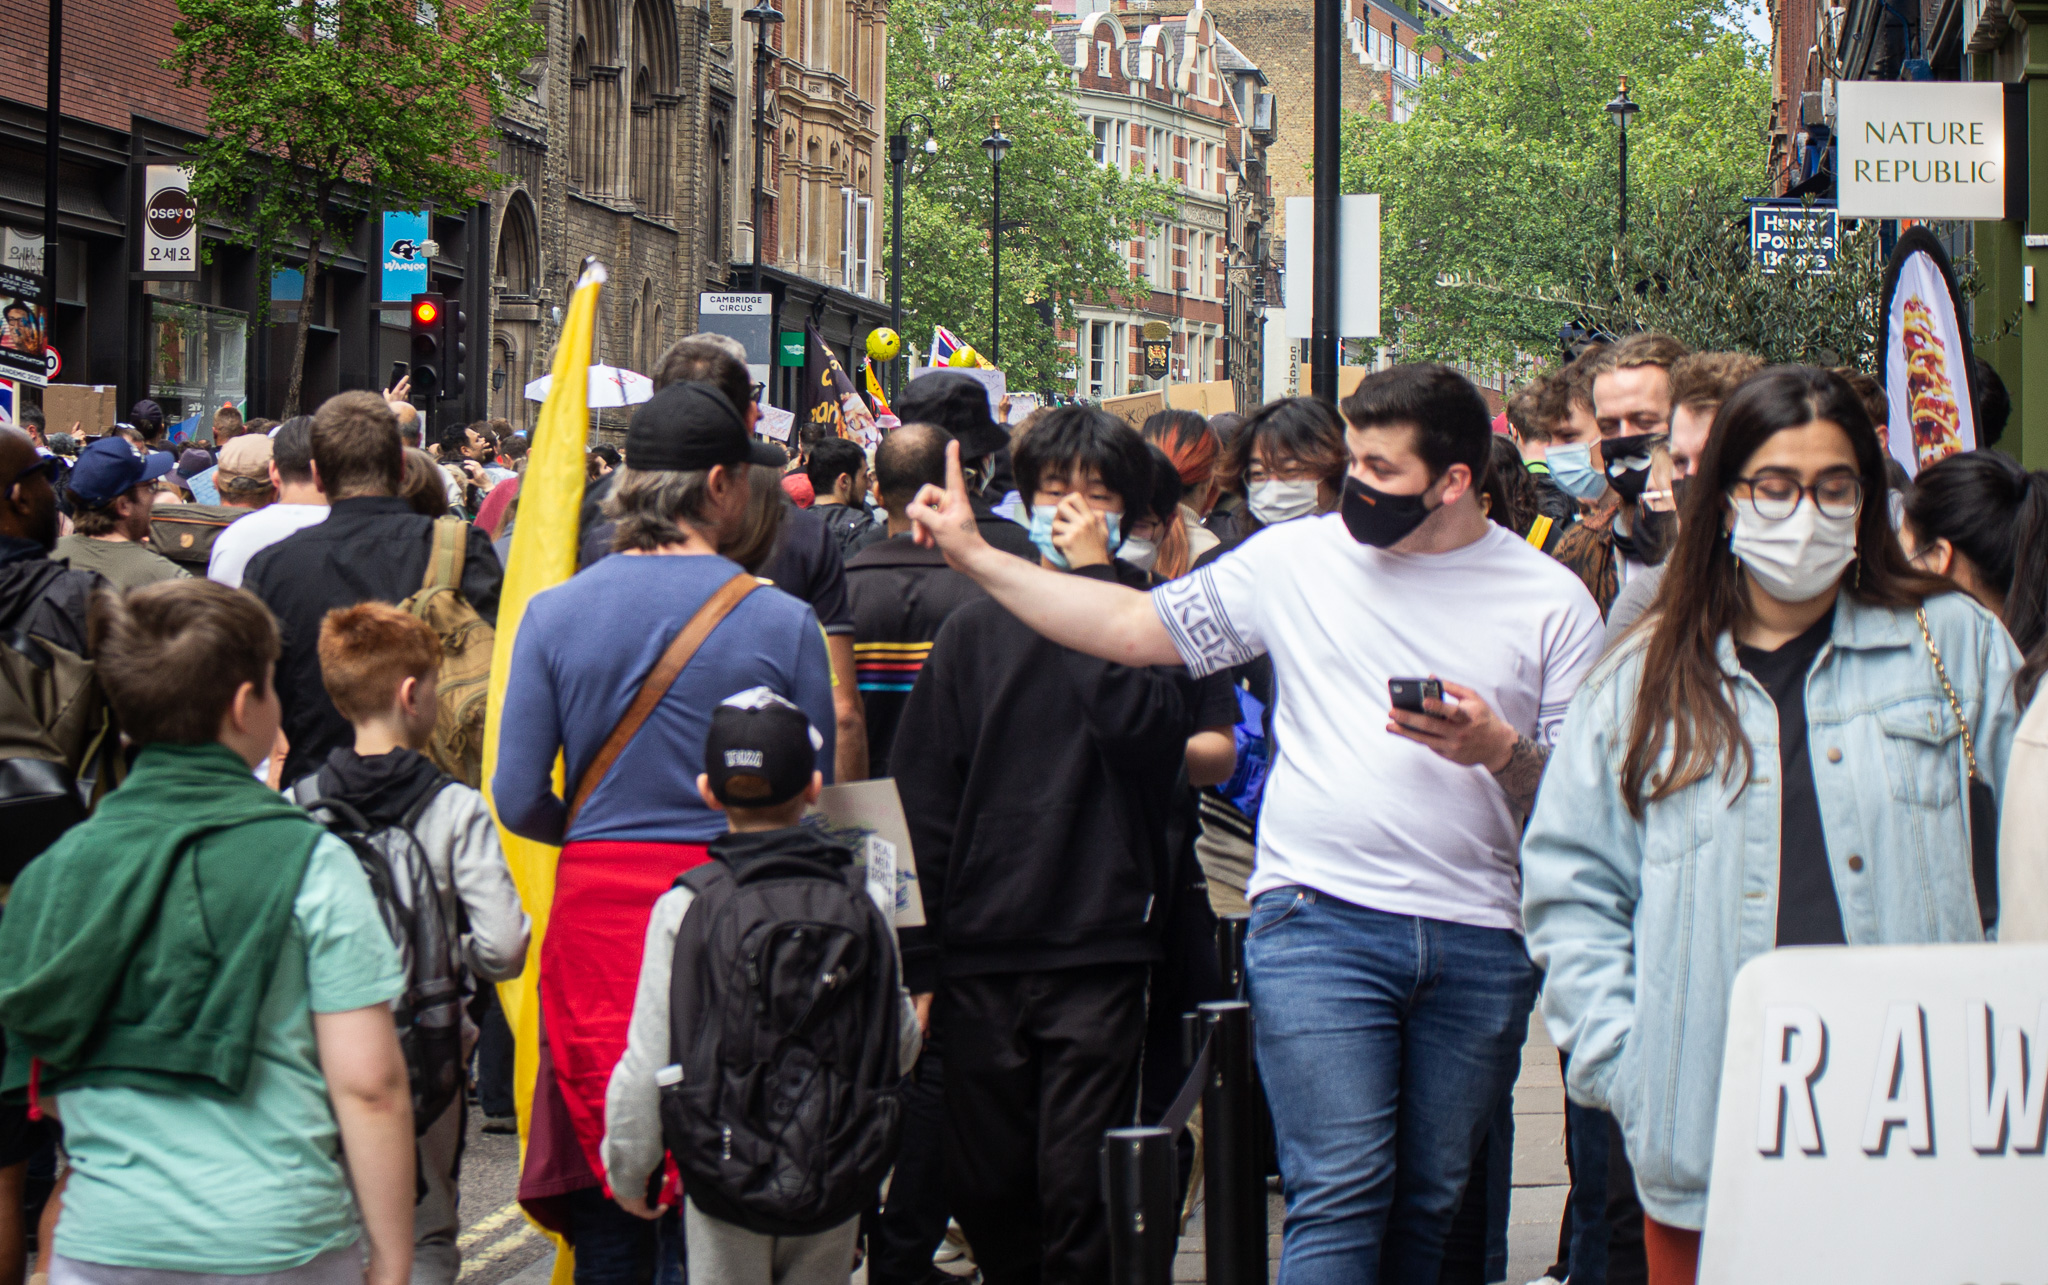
1038, 783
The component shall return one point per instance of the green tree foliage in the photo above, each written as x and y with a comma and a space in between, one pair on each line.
1500, 190
323, 111
963, 63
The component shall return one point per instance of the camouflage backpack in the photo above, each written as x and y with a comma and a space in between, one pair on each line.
466, 644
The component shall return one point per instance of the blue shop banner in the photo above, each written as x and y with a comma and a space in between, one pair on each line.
405, 265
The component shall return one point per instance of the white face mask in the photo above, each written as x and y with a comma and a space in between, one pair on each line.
1274, 501
1138, 551
1798, 558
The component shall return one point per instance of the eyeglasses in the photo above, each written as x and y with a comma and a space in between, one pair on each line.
1775, 496
48, 465
754, 393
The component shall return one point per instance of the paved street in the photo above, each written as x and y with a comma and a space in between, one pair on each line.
499, 1246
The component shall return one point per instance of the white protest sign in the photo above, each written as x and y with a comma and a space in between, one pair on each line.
1921, 150
1357, 266
1881, 1119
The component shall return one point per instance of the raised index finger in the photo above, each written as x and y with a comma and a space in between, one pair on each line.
956, 478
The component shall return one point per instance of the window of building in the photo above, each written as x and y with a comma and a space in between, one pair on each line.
1099, 357
593, 97
1123, 146
1102, 136
1180, 159
1102, 57
655, 57
517, 253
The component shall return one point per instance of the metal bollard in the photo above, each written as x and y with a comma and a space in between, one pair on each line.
1138, 1184
1235, 1230
1230, 930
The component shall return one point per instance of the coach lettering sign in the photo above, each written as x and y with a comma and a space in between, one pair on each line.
1882, 1118
1922, 150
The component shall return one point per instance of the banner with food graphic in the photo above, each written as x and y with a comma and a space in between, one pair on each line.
1927, 362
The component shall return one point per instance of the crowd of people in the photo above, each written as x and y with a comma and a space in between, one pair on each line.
1578, 706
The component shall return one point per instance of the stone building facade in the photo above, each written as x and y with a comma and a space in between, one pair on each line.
1167, 95
631, 142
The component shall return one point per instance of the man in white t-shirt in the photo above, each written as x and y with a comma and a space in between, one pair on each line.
300, 504
1385, 962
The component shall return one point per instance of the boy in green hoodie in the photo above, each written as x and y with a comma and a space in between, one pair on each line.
197, 984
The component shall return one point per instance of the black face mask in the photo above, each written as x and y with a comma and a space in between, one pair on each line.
1628, 464
1378, 519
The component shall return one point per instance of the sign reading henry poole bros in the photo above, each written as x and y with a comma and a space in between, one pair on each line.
1922, 150
1881, 1119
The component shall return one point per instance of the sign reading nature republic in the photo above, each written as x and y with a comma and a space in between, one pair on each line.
1921, 150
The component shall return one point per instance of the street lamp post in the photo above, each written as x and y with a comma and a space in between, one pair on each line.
1621, 106
995, 145
899, 152
762, 16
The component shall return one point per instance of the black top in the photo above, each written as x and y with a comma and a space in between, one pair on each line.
370, 549
901, 596
1039, 785
1808, 914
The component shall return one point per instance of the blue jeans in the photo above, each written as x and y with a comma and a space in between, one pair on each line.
1386, 1043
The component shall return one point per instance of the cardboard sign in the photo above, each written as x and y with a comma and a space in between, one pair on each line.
1921, 149
1135, 408
867, 816
92, 407
1348, 379
1881, 1118
1213, 398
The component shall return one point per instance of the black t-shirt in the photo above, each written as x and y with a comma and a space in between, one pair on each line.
1808, 913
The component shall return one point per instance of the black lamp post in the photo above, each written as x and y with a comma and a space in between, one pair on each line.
1622, 107
995, 145
762, 15
899, 152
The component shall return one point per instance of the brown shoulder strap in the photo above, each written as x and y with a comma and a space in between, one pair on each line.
663, 677
444, 560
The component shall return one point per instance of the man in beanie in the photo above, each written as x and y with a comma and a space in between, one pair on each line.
592, 651
760, 770
370, 547
113, 489
959, 404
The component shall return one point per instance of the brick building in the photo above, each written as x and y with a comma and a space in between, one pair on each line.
188, 344
1167, 95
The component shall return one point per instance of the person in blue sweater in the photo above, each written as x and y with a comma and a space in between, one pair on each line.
631, 821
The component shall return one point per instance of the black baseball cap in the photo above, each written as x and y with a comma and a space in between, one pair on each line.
691, 426
957, 403
146, 414
761, 751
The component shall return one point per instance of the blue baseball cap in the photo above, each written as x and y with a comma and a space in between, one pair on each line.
113, 466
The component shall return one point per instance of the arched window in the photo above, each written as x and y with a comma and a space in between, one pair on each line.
657, 338
593, 98
518, 262
720, 194
655, 56
637, 342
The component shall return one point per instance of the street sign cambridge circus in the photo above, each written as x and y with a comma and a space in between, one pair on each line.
1787, 238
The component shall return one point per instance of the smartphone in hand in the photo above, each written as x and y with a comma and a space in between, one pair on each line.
1409, 693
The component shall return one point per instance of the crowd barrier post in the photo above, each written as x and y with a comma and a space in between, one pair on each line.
1235, 1199
1138, 1181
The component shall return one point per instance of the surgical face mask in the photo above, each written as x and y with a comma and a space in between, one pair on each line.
1139, 552
1794, 559
1571, 467
1274, 501
1381, 520
1041, 533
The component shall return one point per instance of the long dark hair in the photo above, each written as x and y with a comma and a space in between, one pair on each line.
1691, 708
1994, 513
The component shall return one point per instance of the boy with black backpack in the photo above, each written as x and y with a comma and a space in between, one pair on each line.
770, 1028
431, 848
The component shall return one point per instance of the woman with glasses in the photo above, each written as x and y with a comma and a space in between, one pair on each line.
1782, 757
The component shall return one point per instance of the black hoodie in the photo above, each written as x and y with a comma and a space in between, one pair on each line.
1038, 783
383, 787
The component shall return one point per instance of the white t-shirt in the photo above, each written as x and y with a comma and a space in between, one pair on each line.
1350, 808
250, 535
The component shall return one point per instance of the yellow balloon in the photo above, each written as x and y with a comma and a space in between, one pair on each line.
884, 344
961, 357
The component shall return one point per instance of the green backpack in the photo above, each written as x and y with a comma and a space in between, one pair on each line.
55, 730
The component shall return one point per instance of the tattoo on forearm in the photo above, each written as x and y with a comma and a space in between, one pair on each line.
1523, 773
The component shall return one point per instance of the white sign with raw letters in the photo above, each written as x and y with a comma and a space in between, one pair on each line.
1881, 1119
1922, 150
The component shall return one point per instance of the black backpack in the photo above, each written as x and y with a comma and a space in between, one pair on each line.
429, 1014
784, 1015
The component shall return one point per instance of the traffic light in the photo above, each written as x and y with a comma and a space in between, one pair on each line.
454, 321
428, 311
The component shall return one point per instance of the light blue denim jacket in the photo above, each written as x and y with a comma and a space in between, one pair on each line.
1641, 925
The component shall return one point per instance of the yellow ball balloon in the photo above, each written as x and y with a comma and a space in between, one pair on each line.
961, 357
884, 344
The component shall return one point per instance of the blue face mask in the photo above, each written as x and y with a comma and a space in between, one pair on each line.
1571, 467
1041, 533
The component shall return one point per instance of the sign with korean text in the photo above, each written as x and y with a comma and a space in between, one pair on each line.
1788, 238
170, 224
1881, 1118
1922, 150
21, 251
405, 263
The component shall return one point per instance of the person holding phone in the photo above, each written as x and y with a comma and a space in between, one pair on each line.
1386, 969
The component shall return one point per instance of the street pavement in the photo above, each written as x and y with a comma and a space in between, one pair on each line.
499, 1247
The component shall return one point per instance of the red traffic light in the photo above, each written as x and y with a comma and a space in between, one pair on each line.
425, 311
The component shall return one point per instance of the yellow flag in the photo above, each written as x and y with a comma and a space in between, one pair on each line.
543, 555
